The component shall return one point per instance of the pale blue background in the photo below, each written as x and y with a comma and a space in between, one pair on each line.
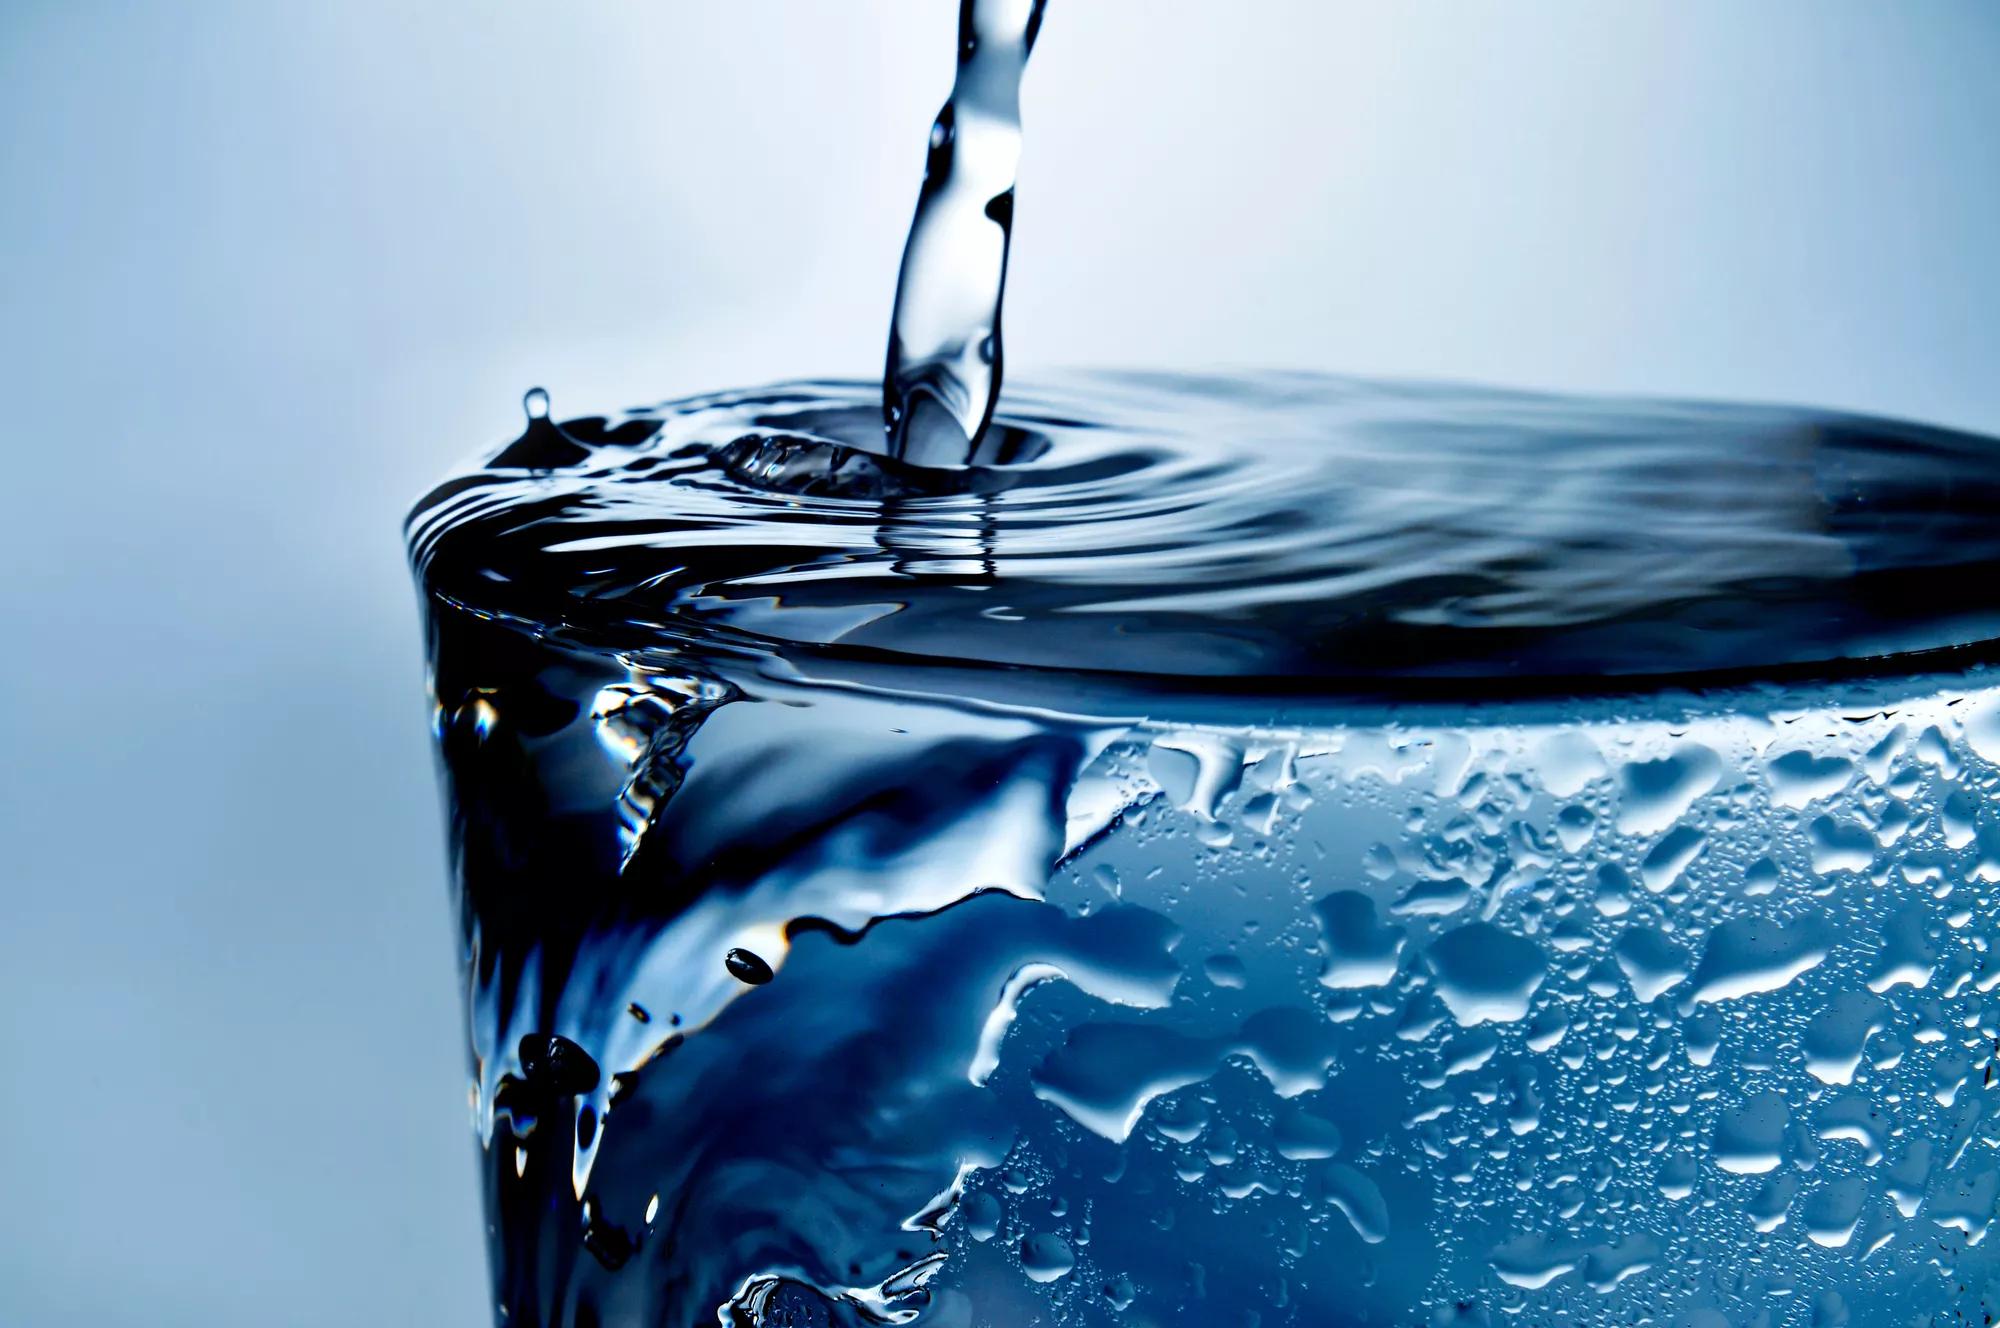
266, 267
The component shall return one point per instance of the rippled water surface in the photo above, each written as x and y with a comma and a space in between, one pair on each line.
1288, 852
1286, 526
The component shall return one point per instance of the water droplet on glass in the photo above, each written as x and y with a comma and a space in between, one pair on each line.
1045, 1258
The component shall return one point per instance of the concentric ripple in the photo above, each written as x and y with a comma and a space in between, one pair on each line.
1286, 526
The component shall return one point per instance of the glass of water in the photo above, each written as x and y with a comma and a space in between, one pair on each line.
1274, 851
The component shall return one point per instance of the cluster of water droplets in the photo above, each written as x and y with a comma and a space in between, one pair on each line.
1711, 996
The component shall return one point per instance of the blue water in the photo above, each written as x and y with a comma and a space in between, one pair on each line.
1278, 851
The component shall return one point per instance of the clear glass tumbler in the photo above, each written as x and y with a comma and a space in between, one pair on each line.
1271, 852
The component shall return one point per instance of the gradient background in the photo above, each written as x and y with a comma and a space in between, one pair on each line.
266, 267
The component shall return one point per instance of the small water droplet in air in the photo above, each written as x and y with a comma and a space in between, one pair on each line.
556, 1065
536, 403
748, 967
